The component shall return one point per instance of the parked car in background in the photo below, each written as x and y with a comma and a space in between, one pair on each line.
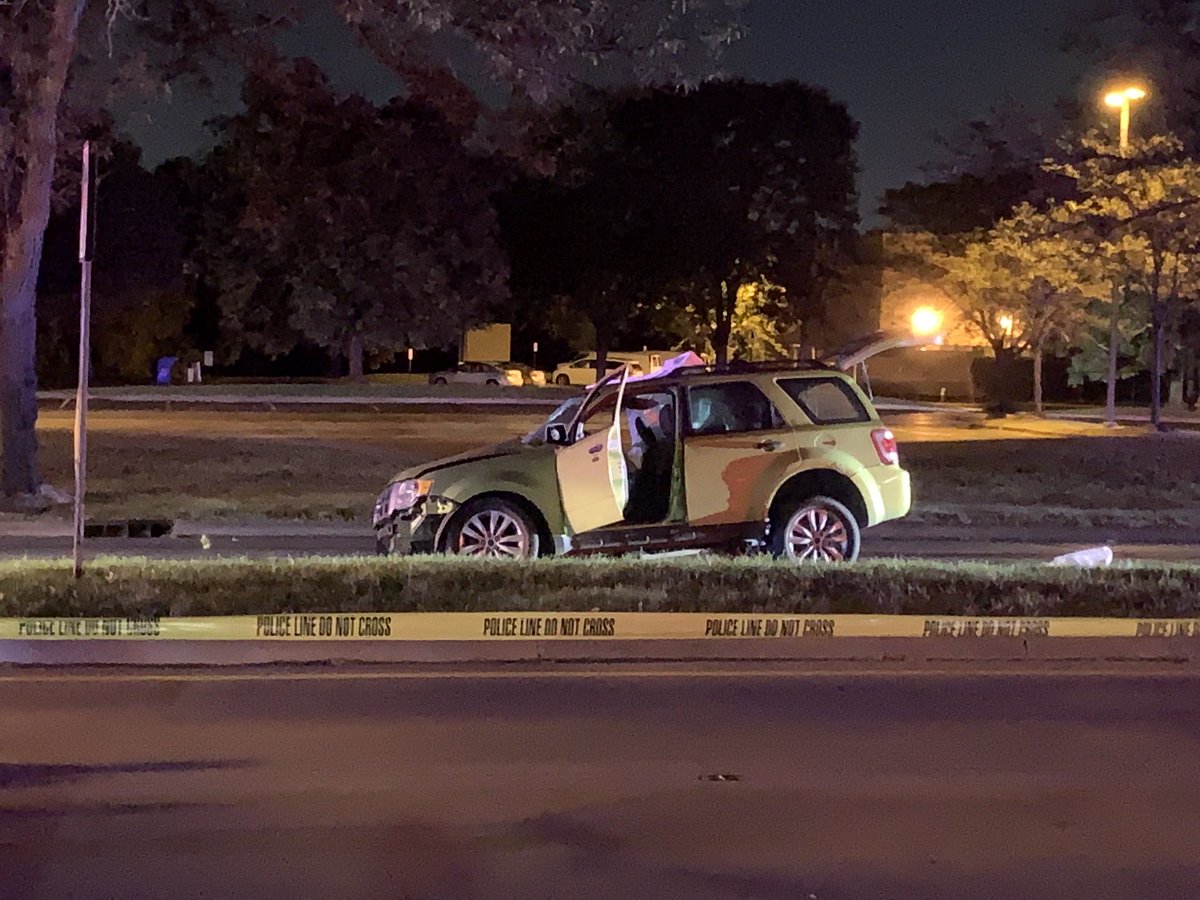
479, 373
531, 376
583, 370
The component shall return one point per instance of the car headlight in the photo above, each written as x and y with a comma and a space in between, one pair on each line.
401, 496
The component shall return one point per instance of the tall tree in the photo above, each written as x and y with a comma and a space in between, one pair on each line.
740, 175
1141, 214
359, 230
35, 57
1020, 284
535, 45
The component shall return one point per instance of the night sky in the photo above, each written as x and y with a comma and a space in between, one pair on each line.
905, 68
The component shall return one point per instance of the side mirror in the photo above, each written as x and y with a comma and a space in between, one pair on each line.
557, 434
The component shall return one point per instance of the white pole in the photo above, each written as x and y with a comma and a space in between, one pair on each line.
87, 246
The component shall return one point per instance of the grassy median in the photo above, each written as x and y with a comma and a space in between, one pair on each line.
243, 587
329, 464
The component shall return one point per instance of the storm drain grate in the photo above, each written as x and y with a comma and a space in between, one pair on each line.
129, 528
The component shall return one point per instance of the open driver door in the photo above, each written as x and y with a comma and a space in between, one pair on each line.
593, 478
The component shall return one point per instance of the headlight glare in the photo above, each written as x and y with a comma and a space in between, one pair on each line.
404, 495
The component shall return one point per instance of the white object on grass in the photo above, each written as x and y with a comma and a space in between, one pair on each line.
1091, 558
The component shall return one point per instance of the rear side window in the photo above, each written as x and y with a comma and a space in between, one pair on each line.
735, 406
826, 401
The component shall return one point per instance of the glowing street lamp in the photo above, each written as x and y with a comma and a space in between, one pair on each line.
1006, 324
1121, 100
926, 321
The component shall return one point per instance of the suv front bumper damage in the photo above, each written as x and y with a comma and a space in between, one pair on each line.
415, 530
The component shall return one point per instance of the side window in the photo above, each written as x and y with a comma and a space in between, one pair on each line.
737, 406
826, 401
649, 422
599, 416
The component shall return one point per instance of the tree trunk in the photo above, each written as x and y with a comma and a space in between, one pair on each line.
603, 341
354, 356
27, 179
1110, 403
724, 327
1037, 375
1156, 348
1156, 362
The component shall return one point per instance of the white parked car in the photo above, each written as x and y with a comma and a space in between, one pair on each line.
583, 370
479, 373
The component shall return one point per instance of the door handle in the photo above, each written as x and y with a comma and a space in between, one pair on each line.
596, 449
769, 445
827, 442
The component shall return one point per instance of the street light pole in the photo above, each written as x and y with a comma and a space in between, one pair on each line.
87, 250
1123, 100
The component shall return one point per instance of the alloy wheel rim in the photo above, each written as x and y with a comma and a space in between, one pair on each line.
494, 533
817, 534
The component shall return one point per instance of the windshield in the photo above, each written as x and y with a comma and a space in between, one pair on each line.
561, 416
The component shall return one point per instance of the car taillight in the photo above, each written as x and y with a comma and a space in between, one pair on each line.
885, 446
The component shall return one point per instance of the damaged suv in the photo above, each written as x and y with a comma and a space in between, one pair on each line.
787, 458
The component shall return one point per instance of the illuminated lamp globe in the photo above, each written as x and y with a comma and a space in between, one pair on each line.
926, 321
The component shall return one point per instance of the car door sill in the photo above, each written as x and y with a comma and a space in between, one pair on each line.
670, 536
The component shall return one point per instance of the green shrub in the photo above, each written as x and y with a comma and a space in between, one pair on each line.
245, 587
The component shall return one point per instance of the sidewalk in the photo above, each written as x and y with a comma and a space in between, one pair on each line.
1172, 415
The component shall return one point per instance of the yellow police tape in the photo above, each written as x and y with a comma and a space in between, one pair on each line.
522, 626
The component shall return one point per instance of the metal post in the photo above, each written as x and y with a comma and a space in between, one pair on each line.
1125, 127
87, 248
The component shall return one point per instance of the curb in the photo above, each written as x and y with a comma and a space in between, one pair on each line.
1184, 652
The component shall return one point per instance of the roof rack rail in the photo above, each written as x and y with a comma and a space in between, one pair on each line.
736, 366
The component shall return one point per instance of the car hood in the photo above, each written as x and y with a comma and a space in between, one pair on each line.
505, 448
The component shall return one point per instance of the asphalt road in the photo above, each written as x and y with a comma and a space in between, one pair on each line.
586, 783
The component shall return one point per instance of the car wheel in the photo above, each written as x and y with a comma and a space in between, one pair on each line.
439, 380
562, 380
816, 529
493, 528
493, 381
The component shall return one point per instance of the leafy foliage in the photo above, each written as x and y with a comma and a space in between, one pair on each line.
347, 226
1138, 217
665, 203
538, 45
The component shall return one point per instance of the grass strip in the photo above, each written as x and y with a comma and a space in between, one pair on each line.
135, 587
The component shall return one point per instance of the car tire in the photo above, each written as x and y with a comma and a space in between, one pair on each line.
494, 528
562, 380
494, 382
439, 380
815, 529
